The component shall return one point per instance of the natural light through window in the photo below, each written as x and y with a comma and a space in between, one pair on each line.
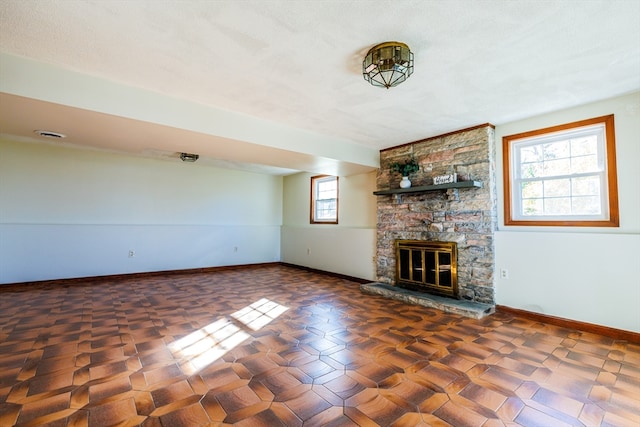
561, 175
324, 199
206, 345
259, 314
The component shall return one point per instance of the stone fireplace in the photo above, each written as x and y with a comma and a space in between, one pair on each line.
462, 214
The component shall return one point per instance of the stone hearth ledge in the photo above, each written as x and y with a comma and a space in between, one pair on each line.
475, 310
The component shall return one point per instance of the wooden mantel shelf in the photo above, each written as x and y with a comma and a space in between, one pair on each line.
423, 188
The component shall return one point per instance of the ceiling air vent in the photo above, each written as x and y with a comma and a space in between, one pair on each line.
49, 134
188, 157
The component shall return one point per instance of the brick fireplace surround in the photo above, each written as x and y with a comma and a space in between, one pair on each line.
466, 216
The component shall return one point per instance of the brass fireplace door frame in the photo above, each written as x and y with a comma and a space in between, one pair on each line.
421, 247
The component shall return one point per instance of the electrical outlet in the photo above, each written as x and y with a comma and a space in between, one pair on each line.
132, 254
308, 251
504, 273
235, 249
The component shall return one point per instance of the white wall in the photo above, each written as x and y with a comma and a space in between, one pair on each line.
346, 248
68, 212
586, 274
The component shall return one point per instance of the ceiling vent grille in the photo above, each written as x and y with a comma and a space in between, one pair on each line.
49, 134
189, 157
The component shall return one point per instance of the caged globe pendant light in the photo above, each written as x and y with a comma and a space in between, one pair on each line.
388, 64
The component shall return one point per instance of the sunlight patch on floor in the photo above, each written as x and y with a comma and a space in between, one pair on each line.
201, 348
259, 314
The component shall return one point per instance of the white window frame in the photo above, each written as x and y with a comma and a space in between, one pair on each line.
600, 127
315, 218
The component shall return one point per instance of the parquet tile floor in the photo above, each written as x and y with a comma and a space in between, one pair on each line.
279, 346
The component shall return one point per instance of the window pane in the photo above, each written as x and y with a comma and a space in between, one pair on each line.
325, 209
532, 170
532, 207
327, 189
584, 164
531, 154
588, 205
558, 206
532, 189
557, 167
557, 188
586, 186
584, 146
556, 150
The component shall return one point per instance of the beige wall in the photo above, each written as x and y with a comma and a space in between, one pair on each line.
586, 274
346, 248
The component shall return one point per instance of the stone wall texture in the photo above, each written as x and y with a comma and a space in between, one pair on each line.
465, 216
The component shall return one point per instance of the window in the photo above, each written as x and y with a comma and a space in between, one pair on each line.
324, 199
562, 176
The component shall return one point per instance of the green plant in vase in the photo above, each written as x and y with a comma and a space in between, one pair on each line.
405, 169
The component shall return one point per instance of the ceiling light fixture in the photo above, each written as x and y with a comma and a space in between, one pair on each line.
189, 157
49, 134
388, 64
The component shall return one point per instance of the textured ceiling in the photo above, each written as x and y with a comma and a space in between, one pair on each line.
298, 64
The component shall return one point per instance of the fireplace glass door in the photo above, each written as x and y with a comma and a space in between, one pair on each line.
427, 266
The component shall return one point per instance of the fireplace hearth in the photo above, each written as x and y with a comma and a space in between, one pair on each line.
475, 310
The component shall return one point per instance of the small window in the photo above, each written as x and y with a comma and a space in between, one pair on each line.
324, 199
562, 176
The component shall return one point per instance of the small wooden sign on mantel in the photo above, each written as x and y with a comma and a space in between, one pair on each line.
445, 179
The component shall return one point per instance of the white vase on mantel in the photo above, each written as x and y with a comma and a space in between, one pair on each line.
405, 183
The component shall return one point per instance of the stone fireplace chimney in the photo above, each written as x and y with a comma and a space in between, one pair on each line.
462, 214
